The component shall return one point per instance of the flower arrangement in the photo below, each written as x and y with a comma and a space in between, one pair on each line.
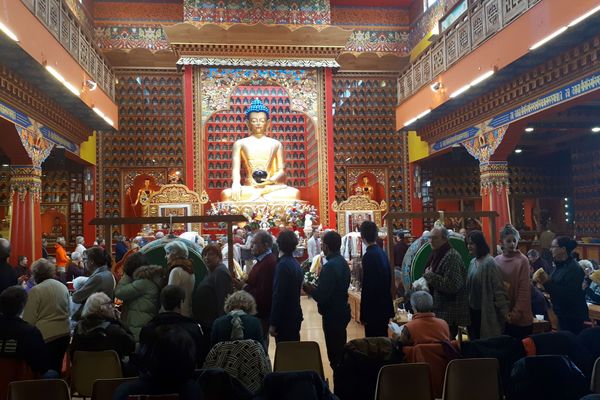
311, 278
266, 216
296, 215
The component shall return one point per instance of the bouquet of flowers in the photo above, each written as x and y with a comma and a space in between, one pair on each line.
297, 214
311, 278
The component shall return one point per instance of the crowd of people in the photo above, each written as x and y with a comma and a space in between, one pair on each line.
151, 306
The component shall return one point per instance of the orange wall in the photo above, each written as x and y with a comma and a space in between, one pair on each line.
508, 45
39, 43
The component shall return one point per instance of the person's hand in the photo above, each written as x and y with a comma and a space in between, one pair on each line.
272, 331
308, 287
238, 283
236, 191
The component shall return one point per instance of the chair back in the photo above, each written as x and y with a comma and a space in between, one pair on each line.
595, 382
12, 370
91, 365
298, 356
411, 381
103, 389
437, 356
47, 389
472, 379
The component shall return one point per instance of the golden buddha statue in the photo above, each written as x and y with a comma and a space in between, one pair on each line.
367, 189
262, 158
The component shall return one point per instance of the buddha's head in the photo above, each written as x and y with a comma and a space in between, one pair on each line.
257, 118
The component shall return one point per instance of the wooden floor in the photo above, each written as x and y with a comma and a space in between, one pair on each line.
312, 331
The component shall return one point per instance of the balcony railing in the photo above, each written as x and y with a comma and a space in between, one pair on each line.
483, 19
59, 20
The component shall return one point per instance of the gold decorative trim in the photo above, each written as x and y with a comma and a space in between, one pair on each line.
352, 174
176, 194
323, 150
258, 62
357, 204
494, 175
26, 180
372, 62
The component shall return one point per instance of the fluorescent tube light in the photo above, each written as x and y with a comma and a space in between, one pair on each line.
584, 16
424, 113
482, 77
548, 38
460, 91
410, 121
8, 32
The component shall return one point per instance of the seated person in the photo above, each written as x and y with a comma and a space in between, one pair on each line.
75, 267
100, 329
424, 326
592, 292
539, 305
239, 322
18, 339
536, 262
167, 366
172, 298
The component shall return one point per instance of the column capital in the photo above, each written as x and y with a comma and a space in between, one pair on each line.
26, 179
494, 175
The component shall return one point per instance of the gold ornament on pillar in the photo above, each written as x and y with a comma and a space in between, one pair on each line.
26, 179
34, 142
494, 174
485, 143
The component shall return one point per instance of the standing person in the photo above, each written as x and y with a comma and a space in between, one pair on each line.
48, 309
536, 262
139, 288
181, 272
121, 248
79, 241
22, 269
210, 294
331, 296
61, 257
286, 313
260, 279
376, 307
8, 277
313, 245
44, 250
564, 286
400, 249
446, 276
488, 301
515, 270
100, 280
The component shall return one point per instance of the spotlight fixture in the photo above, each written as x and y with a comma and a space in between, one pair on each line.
529, 129
435, 86
596, 129
91, 85
518, 151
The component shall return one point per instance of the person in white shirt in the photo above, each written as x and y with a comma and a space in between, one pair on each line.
80, 248
314, 245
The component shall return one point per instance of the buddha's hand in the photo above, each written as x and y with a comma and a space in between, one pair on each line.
264, 183
236, 192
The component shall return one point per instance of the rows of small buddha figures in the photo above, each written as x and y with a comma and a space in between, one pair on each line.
197, 311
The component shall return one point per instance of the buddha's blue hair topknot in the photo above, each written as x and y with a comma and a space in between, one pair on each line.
257, 106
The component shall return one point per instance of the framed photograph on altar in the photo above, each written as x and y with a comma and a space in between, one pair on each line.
355, 218
176, 210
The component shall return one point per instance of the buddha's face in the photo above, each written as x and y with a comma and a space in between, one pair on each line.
258, 123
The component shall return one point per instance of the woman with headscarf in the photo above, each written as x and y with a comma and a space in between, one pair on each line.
181, 272
515, 270
564, 286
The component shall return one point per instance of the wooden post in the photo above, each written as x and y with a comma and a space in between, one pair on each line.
493, 233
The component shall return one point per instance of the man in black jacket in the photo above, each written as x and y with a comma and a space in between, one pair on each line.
376, 307
8, 277
171, 299
332, 296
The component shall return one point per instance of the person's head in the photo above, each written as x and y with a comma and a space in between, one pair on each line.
533, 255
257, 118
79, 240
176, 249
241, 233
261, 242
421, 302
365, 180
562, 247
170, 358
240, 300
133, 262
463, 232
399, 237
509, 237
94, 258
212, 256
4, 249
159, 235
587, 267
61, 240
146, 182
368, 231
438, 237
171, 298
331, 243
43, 269
316, 233
23, 261
76, 257
100, 242
99, 305
477, 245
12, 301
287, 241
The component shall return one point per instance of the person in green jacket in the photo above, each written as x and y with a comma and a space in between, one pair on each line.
331, 296
139, 289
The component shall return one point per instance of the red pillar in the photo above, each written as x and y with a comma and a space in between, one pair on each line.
26, 220
494, 194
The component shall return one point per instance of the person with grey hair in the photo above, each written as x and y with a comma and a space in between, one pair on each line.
18, 339
100, 329
515, 270
101, 278
446, 276
536, 262
260, 279
8, 276
80, 248
48, 310
75, 267
181, 272
424, 326
239, 322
